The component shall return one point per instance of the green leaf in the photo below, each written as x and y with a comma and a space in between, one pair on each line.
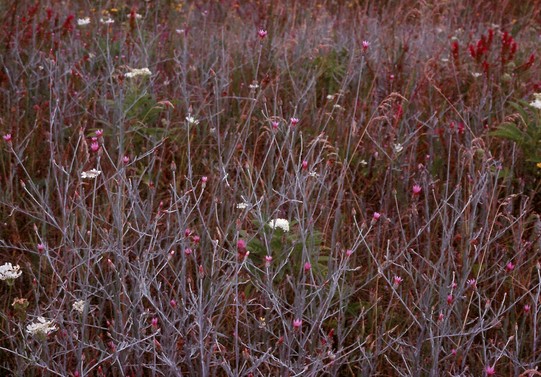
509, 131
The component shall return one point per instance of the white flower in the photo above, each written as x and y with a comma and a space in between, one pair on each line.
41, 328
537, 102
398, 148
107, 21
138, 72
8, 272
91, 174
476, 74
280, 223
242, 205
254, 85
79, 306
83, 21
190, 119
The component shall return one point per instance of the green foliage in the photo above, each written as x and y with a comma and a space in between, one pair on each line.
524, 129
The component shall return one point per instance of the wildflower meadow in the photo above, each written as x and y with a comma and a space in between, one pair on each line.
270, 188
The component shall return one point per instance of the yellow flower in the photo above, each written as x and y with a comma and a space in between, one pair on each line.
538, 165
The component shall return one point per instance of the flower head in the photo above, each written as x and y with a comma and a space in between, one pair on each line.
262, 33
7, 137
366, 44
472, 283
294, 121
107, 21
280, 223
83, 21
510, 266
396, 281
268, 260
297, 323
242, 205
138, 72
8, 273
241, 249
376, 216
91, 174
79, 306
192, 120
349, 252
490, 370
307, 266
537, 102
41, 328
416, 189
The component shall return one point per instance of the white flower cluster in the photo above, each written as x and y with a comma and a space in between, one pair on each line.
83, 21
9, 272
41, 328
91, 174
537, 102
79, 306
280, 223
138, 72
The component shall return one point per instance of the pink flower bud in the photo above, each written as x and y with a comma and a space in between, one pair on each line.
94, 146
297, 323
261, 33
307, 266
365, 44
7, 138
490, 371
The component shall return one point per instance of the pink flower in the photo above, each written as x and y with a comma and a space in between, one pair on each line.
472, 283
275, 125
396, 281
99, 133
307, 266
294, 121
196, 239
173, 303
94, 146
204, 179
187, 251
261, 33
527, 308
7, 137
125, 159
510, 266
376, 216
297, 323
440, 317
416, 189
490, 371
349, 252
268, 260
241, 248
304, 165
155, 322
453, 352
450, 299
366, 44
41, 248
187, 232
